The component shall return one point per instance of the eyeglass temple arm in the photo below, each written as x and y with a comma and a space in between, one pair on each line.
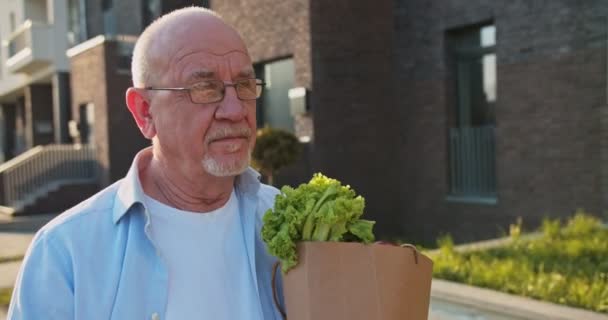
170, 89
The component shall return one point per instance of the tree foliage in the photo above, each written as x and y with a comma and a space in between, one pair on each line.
274, 150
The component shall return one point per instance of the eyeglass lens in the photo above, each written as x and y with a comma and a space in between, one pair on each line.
213, 90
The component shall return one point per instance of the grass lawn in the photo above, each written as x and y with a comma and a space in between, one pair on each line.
567, 265
5, 296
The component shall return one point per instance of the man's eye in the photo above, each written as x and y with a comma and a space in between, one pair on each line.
247, 84
212, 85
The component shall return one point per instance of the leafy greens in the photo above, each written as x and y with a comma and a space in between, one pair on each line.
321, 210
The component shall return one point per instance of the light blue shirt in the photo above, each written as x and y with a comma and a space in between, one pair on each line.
206, 257
97, 260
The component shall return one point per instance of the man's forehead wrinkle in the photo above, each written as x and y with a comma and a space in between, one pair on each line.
196, 64
219, 55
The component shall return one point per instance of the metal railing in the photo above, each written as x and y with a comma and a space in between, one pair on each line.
20, 38
42, 168
473, 162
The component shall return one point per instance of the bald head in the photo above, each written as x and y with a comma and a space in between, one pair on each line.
171, 35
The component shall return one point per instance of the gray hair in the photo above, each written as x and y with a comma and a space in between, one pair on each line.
142, 71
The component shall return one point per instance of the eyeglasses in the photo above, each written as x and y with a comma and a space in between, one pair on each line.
210, 91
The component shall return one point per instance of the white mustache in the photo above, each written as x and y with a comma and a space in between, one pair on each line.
227, 132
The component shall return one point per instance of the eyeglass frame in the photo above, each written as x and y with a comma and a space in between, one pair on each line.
259, 82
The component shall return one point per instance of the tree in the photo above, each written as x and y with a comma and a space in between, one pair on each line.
274, 150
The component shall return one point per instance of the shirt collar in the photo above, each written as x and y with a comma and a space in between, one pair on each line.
130, 191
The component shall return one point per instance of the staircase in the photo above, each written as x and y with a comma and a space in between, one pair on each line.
47, 179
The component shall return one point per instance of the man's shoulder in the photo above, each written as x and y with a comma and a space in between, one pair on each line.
266, 195
94, 211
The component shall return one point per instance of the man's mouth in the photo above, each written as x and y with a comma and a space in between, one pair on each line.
230, 139
229, 135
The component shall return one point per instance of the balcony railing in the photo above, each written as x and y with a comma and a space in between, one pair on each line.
473, 162
30, 47
18, 42
32, 174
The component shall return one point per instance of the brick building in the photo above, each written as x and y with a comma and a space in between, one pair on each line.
449, 116
62, 131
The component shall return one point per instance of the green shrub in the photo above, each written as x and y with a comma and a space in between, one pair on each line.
274, 149
566, 265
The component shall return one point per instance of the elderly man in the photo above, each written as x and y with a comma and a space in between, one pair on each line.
178, 237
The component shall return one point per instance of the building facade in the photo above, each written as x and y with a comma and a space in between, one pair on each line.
448, 116
34, 74
51, 122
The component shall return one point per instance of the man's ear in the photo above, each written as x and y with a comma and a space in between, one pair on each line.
138, 104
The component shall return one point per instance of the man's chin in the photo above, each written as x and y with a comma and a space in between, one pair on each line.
225, 167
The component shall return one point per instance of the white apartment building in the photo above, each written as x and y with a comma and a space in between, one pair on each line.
34, 71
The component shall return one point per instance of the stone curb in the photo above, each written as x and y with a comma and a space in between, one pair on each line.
506, 305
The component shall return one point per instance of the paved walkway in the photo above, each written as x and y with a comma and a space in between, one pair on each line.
8, 273
14, 244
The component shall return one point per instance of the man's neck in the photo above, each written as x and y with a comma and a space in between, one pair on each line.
196, 192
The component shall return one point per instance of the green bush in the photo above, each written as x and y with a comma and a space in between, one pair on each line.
566, 264
274, 149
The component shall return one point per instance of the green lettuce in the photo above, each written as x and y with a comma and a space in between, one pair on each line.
320, 210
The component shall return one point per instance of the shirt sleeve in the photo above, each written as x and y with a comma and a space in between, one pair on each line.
44, 288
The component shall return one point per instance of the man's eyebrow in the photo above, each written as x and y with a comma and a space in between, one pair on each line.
247, 73
202, 75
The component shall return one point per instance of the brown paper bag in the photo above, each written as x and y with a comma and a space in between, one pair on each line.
353, 281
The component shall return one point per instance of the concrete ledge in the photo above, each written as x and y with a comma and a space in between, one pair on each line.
6, 213
502, 305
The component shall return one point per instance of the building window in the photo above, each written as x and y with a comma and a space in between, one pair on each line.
151, 11
472, 61
273, 108
77, 27
109, 20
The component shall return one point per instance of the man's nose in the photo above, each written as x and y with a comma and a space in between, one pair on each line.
231, 107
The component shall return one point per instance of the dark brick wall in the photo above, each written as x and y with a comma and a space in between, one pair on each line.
88, 82
381, 98
97, 78
354, 106
274, 29
551, 81
125, 139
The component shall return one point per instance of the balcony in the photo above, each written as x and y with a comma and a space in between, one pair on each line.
30, 48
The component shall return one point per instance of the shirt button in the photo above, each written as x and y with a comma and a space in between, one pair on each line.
155, 316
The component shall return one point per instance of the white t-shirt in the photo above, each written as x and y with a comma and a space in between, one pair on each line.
209, 274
